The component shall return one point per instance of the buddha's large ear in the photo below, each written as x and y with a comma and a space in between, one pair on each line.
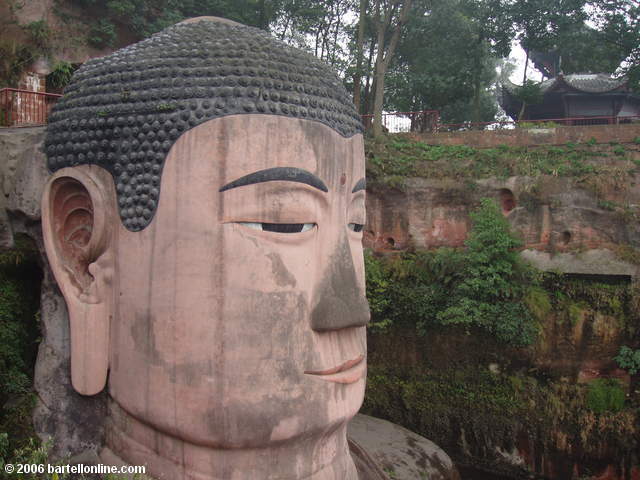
78, 223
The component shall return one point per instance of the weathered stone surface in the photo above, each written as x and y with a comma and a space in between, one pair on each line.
591, 262
19, 152
74, 422
400, 452
28, 181
551, 214
17, 146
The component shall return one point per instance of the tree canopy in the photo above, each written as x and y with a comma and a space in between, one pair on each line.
411, 55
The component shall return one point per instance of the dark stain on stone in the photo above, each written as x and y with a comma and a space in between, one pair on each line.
144, 337
340, 302
282, 275
187, 373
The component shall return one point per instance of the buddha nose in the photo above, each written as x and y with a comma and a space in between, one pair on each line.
340, 301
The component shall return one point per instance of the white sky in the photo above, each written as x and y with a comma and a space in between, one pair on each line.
518, 56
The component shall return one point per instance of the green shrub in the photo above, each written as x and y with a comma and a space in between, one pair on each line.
484, 287
487, 408
491, 294
13, 338
538, 302
629, 359
605, 395
619, 150
61, 74
40, 33
102, 34
19, 300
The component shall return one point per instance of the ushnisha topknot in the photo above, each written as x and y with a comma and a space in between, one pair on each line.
124, 111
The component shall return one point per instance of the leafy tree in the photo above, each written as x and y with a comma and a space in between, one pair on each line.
584, 49
422, 78
529, 93
321, 26
492, 31
540, 22
390, 18
359, 47
474, 33
619, 24
491, 295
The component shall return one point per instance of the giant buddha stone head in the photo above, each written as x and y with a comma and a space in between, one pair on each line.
203, 221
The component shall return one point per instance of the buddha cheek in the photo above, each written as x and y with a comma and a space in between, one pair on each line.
266, 343
265, 318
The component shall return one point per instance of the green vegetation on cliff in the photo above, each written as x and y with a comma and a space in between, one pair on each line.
19, 304
483, 287
474, 411
629, 359
392, 159
487, 355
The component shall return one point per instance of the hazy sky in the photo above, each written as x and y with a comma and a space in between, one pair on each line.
518, 57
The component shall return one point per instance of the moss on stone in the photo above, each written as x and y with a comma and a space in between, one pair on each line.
393, 156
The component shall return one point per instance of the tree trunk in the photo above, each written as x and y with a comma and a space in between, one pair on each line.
369, 87
476, 100
378, 76
357, 77
524, 81
477, 81
383, 59
262, 21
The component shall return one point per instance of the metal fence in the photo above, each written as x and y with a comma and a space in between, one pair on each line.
21, 108
537, 124
395, 122
429, 121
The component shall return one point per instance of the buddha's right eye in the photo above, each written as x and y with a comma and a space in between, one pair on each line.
280, 227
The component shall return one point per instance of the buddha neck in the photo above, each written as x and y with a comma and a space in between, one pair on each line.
130, 441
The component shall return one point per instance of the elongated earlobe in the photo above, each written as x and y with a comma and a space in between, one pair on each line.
78, 208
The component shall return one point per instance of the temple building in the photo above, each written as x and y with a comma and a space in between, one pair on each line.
579, 98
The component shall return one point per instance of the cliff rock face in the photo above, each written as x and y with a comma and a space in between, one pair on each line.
74, 421
579, 218
552, 214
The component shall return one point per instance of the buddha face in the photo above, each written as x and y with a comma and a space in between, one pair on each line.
239, 312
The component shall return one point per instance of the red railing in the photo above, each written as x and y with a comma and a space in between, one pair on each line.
425, 121
21, 108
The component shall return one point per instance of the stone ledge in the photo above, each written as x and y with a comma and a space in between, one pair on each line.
590, 262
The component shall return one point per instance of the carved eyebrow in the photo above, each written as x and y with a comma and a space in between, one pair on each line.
287, 174
360, 185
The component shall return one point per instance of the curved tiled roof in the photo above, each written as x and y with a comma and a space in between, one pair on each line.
583, 82
594, 82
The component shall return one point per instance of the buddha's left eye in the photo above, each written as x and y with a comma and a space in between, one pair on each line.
280, 227
356, 227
